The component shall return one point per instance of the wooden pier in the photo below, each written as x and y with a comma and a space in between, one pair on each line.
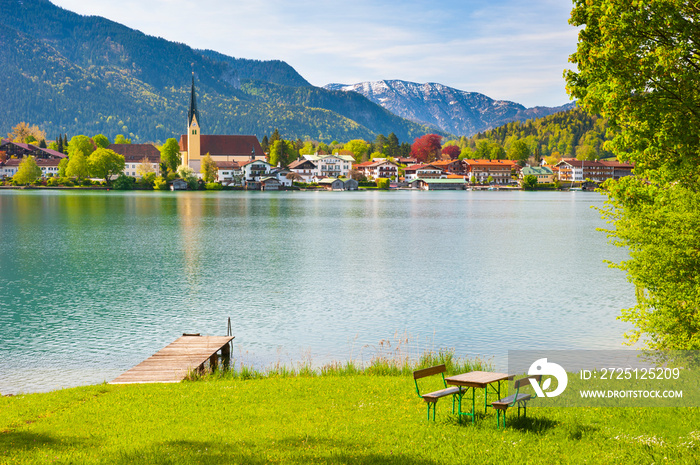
172, 363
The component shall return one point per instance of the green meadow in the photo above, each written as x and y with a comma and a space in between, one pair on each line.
337, 416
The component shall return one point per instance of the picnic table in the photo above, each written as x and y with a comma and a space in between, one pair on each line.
477, 379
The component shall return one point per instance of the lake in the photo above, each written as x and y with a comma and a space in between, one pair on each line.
92, 283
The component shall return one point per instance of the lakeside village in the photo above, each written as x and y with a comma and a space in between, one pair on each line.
239, 162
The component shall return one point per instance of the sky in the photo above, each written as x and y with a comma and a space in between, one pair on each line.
507, 49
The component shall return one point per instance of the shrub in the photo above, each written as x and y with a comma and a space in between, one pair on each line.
124, 183
160, 184
53, 182
146, 181
213, 186
383, 183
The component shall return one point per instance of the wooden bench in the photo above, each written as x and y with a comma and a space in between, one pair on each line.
431, 398
518, 398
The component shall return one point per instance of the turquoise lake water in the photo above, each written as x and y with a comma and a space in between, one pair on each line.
93, 283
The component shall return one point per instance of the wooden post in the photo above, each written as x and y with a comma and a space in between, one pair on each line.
213, 362
226, 356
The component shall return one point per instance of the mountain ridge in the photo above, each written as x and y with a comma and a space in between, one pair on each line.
451, 110
70, 73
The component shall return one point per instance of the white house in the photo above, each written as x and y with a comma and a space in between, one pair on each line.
253, 170
135, 155
229, 173
304, 168
331, 165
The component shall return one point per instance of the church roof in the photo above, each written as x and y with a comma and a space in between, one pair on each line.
222, 145
193, 112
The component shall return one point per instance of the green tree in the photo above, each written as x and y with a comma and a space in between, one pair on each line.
101, 140
77, 166
28, 171
62, 165
519, 151
81, 144
105, 163
170, 154
586, 152
638, 65
359, 149
307, 149
282, 152
529, 182
496, 151
120, 139
208, 169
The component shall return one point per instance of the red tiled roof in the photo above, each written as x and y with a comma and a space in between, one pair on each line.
490, 163
616, 164
39, 161
226, 145
227, 165
53, 153
137, 152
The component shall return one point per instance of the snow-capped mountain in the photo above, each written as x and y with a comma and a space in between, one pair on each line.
451, 110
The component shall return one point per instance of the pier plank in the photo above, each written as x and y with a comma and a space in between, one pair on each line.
172, 363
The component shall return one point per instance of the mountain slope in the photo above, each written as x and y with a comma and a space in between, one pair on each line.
451, 110
83, 74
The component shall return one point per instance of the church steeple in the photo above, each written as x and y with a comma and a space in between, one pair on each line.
193, 154
193, 112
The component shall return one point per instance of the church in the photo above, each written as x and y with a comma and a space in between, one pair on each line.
223, 149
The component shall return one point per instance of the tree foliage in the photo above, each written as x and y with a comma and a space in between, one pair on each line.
170, 154
27, 172
105, 163
101, 140
77, 166
529, 182
282, 152
24, 133
359, 149
638, 65
208, 169
427, 148
452, 151
82, 144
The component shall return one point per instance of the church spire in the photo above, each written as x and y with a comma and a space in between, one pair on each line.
193, 112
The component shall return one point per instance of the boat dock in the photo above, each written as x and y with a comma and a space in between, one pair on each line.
172, 363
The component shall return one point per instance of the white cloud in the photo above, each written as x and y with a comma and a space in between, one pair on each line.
507, 49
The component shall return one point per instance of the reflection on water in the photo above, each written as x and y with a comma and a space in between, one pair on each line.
93, 283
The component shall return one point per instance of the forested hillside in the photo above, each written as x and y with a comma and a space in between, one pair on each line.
572, 133
76, 74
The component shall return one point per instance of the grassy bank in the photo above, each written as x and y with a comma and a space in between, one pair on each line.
337, 418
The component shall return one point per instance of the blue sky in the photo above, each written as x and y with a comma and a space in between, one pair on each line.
507, 49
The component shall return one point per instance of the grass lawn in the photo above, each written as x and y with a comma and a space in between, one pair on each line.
323, 419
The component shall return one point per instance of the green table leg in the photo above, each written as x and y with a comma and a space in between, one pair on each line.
473, 407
